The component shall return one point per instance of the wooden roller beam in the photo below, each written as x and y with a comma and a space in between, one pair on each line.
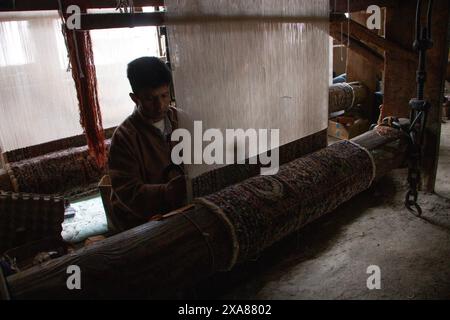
93, 21
29, 5
33, 5
158, 258
343, 96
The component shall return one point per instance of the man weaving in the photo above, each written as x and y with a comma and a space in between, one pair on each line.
143, 179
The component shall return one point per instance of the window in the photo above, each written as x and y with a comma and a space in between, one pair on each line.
38, 101
15, 34
113, 50
37, 95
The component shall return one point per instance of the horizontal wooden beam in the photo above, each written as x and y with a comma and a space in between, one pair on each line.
360, 32
121, 20
360, 48
92, 21
32, 5
359, 5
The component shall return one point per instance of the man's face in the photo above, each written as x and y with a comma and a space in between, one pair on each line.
153, 103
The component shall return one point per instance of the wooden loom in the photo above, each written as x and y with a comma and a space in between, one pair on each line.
134, 259
369, 52
158, 258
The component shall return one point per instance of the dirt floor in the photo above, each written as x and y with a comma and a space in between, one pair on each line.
328, 259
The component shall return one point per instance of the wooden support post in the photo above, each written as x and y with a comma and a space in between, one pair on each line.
400, 76
434, 92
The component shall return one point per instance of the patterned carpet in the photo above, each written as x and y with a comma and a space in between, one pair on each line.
264, 209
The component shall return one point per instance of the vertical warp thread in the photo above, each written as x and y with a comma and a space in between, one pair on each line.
266, 74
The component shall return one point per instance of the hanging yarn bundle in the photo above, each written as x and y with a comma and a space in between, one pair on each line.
79, 46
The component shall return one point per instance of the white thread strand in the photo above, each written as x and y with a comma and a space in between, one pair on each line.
258, 75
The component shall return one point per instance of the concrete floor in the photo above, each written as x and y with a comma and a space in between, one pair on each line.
328, 259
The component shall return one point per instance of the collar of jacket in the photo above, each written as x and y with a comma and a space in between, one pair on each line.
141, 122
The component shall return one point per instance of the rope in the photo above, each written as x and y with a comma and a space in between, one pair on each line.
205, 236
348, 24
230, 227
342, 41
353, 94
372, 160
60, 10
64, 32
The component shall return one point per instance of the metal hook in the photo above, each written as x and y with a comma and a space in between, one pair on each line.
412, 205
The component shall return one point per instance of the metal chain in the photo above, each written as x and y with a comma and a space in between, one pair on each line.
419, 111
413, 175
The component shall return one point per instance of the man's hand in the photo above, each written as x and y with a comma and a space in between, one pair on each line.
175, 192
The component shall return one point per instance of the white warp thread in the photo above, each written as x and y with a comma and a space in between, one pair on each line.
260, 75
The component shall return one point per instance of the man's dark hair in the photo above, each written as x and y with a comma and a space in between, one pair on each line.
148, 72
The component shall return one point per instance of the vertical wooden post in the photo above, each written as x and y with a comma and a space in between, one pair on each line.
400, 76
434, 92
399, 73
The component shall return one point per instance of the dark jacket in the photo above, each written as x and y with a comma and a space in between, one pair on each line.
138, 158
